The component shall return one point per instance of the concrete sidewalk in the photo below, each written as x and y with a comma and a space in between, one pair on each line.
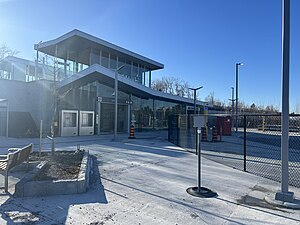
144, 181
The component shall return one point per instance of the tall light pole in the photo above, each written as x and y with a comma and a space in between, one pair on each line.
236, 95
284, 194
232, 106
116, 102
195, 99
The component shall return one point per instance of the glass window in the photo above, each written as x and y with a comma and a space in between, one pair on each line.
147, 113
128, 69
104, 59
121, 61
135, 72
162, 112
95, 59
87, 119
69, 119
136, 112
141, 73
147, 75
113, 62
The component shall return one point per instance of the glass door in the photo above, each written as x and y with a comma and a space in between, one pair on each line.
107, 118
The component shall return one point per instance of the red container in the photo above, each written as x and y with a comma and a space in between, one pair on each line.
224, 122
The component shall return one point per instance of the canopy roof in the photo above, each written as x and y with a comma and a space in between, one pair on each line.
76, 42
106, 76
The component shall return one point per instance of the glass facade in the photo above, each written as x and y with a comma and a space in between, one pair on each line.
52, 68
144, 114
62, 60
154, 114
132, 70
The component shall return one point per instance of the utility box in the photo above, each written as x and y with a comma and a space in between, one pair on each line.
224, 122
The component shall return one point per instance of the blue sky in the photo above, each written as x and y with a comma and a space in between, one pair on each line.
198, 41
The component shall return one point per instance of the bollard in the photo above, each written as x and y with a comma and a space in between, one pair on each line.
221, 133
131, 133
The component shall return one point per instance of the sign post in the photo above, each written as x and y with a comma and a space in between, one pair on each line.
199, 121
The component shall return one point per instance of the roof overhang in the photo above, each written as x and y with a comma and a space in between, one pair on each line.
3, 103
107, 77
70, 44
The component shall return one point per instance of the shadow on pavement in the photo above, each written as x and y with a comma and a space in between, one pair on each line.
186, 204
155, 150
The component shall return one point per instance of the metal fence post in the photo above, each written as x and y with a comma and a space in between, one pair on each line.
245, 130
178, 129
169, 128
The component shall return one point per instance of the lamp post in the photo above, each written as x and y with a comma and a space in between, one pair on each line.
284, 194
236, 95
116, 102
232, 106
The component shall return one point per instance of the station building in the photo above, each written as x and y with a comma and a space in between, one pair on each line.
70, 90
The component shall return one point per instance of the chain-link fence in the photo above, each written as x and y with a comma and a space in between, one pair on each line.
254, 145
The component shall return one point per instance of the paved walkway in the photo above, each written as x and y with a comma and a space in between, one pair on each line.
144, 181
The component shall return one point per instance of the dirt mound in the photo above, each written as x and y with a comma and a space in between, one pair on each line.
61, 166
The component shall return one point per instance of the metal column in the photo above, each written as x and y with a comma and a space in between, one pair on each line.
284, 194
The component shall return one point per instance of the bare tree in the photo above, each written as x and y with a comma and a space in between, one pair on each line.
297, 108
210, 98
159, 85
7, 51
172, 85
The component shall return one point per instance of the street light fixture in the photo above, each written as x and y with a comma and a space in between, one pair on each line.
195, 90
236, 95
116, 101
